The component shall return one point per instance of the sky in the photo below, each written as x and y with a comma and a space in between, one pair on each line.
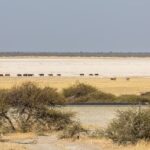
75, 25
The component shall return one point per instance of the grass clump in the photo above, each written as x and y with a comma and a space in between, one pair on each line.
130, 126
82, 93
134, 99
98, 97
78, 90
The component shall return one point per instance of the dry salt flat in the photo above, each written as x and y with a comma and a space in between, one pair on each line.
74, 66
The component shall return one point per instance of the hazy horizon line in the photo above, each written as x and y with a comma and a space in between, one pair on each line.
92, 52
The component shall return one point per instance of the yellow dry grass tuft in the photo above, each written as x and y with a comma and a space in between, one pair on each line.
19, 136
14, 137
108, 145
10, 146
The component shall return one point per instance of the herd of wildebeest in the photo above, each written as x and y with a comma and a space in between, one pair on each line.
59, 75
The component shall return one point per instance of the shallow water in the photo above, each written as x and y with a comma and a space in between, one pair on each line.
97, 116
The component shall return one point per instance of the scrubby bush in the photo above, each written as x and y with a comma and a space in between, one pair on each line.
82, 93
73, 131
98, 97
54, 119
146, 96
78, 90
131, 99
29, 107
96, 133
130, 126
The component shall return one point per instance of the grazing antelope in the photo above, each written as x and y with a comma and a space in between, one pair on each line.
7, 75
96, 74
81, 74
50, 75
19, 75
113, 79
41, 75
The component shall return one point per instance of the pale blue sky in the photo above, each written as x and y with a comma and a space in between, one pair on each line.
75, 25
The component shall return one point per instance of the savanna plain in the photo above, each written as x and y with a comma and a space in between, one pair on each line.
93, 118
136, 85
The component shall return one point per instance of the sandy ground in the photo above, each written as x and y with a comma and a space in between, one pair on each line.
135, 85
52, 142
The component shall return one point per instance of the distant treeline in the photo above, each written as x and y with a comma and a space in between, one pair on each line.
77, 54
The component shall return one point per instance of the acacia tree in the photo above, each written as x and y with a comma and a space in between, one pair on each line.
4, 108
28, 107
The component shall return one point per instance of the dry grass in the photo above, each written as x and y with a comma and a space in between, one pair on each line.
14, 137
138, 146
135, 85
19, 136
103, 144
10, 146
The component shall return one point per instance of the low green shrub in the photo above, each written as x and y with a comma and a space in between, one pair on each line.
130, 126
131, 99
78, 90
82, 93
97, 97
146, 96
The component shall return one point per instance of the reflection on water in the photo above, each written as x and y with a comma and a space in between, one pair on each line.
98, 116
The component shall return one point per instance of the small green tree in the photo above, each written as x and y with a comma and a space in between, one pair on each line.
28, 107
130, 126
